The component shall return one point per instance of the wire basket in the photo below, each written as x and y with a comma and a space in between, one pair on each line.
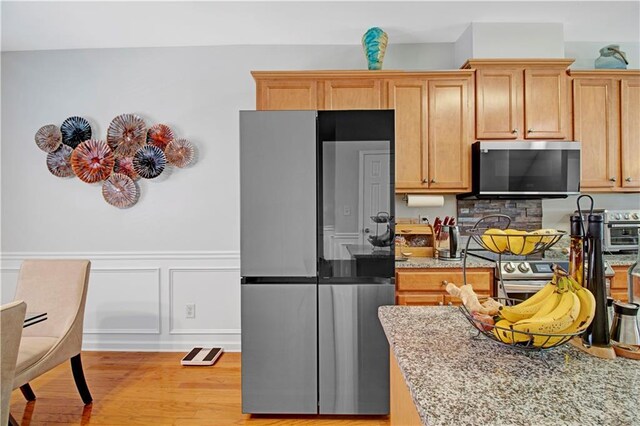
521, 340
519, 244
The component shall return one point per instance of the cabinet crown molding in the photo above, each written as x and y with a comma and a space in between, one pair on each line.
518, 63
604, 73
362, 74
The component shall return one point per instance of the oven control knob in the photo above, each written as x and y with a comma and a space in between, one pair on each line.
523, 267
627, 216
635, 216
509, 267
617, 216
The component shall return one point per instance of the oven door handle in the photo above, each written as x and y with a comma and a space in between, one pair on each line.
624, 225
520, 287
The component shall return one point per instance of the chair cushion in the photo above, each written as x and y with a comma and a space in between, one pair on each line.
32, 349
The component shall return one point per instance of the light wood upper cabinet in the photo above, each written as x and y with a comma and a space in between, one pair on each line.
630, 126
545, 104
353, 94
286, 95
434, 132
449, 121
594, 116
606, 107
408, 97
521, 98
497, 103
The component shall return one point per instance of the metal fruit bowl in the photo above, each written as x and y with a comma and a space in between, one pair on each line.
517, 244
527, 345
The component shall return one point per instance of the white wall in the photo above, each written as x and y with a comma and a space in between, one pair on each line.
180, 243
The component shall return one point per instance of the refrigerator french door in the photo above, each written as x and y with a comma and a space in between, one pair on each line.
312, 281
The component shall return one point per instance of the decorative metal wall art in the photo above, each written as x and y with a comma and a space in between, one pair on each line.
129, 153
75, 130
179, 153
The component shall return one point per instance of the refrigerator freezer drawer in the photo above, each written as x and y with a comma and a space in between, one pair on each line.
279, 349
354, 353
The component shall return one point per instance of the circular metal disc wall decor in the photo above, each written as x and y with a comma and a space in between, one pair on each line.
59, 161
124, 165
120, 190
179, 153
126, 134
75, 130
48, 138
92, 161
149, 161
159, 135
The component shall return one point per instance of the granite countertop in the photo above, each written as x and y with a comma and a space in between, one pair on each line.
456, 379
434, 262
614, 259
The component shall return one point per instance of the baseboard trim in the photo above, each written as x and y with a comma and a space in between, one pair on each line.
89, 346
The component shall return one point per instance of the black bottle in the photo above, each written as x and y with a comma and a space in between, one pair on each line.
597, 333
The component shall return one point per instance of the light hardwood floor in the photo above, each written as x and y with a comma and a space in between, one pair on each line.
142, 388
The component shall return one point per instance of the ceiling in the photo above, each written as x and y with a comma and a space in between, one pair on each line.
78, 25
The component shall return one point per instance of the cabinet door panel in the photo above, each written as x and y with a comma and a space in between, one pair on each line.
287, 95
594, 111
449, 146
409, 99
497, 104
352, 94
630, 101
545, 110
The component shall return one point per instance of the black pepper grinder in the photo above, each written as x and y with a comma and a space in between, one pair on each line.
597, 334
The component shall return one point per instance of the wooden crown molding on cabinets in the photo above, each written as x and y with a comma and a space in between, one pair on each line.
518, 63
602, 73
365, 74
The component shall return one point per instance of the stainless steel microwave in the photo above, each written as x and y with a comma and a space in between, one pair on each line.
519, 169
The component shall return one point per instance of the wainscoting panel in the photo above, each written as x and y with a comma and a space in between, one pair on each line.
203, 287
123, 301
136, 299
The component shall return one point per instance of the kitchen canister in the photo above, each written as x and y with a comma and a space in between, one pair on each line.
611, 57
625, 323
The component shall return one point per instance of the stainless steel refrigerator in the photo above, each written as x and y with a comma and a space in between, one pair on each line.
317, 260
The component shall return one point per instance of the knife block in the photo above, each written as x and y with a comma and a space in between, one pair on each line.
414, 238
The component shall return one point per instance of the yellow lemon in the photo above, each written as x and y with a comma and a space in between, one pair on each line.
545, 232
516, 240
495, 240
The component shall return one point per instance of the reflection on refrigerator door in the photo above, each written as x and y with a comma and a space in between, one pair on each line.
354, 353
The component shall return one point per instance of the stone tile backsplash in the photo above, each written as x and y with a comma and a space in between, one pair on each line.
524, 214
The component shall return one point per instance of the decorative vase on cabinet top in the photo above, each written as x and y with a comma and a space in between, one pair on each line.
374, 42
611, 57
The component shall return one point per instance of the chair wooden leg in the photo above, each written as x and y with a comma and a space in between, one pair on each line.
27, 392
12, 421
81, 383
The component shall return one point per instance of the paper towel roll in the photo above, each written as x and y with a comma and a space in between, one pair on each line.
425, 200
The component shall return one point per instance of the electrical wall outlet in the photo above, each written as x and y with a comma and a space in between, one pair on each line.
423, 218
346, 210
190, 310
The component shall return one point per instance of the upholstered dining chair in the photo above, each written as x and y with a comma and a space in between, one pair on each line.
11, 321
59, 288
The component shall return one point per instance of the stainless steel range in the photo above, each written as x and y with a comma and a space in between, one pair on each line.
523, 278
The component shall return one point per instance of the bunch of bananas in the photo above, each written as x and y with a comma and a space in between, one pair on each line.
562, 306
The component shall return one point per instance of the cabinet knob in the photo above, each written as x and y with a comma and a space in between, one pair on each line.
444, 283
425, 180
514, 131
612, 179
628, 179
440, 303
530, 131
450, 303
433, 181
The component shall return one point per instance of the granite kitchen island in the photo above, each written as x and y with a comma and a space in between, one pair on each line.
451, 378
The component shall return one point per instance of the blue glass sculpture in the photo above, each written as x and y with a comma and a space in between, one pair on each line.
374, 42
